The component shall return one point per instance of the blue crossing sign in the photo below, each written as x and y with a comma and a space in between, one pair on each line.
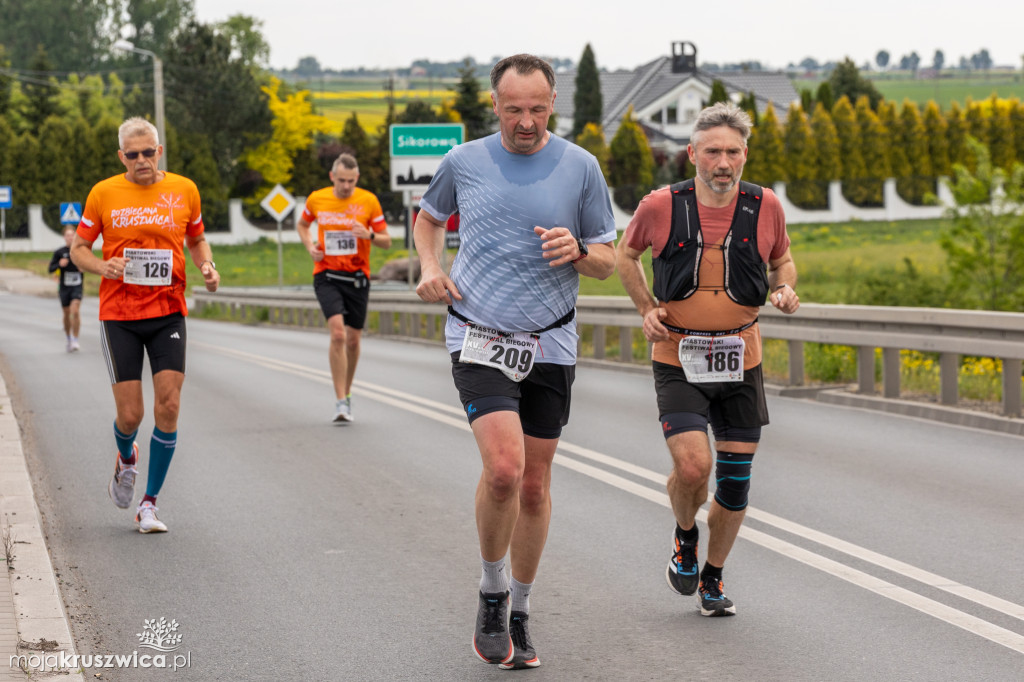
6, 197
70, 213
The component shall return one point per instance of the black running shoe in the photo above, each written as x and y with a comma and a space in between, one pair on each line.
712, 601
681, 573
524, 656
491, 642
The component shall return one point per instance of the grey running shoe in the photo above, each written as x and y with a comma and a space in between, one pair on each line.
712, 601
681, 572
122, 485
492, 642
147, 520
342, 411
525, 656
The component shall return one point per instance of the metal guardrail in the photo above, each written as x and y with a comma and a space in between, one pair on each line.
950, 333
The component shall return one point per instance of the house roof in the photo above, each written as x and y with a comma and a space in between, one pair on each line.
651, 81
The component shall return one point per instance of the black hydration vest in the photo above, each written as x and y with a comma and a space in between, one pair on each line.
677, 267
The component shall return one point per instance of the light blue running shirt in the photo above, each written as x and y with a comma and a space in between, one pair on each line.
500, 270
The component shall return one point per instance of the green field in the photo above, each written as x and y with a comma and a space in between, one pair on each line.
337, 99
944, 91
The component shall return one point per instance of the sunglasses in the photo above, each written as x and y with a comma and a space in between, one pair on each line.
148, 153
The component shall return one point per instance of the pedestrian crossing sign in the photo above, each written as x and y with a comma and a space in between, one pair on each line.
70, 213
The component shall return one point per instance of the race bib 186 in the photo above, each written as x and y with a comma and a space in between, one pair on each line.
511, 352
708, 359
339, 243
149, 267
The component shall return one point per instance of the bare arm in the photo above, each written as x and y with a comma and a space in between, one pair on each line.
202, 256
634, 280
434, 286
782, 280
86, 261
313, 248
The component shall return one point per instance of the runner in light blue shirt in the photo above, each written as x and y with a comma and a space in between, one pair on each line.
534, 215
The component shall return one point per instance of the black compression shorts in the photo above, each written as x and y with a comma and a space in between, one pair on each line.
126, 342
542, 399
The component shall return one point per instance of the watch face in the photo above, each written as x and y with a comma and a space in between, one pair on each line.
582, 246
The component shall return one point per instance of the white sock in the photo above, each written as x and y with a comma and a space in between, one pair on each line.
493, 578
521, 596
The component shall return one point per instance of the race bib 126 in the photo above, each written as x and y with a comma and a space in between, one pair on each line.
149, 267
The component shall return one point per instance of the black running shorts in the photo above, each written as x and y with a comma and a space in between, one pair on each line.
126, 342
724, 403
68, 294
542, 399
343, 293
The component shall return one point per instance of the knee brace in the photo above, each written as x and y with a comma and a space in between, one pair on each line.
732, 475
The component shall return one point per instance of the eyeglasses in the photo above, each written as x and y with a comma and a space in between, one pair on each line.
148, 153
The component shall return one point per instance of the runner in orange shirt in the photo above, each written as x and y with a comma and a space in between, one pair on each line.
146, 217
349, 219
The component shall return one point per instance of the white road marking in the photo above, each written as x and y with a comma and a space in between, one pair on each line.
440, 413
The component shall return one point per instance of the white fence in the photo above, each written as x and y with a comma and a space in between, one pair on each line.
42, 237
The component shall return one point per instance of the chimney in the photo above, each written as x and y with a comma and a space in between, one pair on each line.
684, 57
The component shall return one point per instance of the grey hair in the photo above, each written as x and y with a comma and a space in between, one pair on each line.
136, 127
524, 65
347, 161
722, 114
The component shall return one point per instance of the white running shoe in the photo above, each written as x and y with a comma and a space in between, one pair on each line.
342, 411
147, 520
72, 345
122, 485
68, 347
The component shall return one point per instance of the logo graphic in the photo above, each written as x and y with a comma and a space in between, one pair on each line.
170, 202
175, 335
160, 635
470, 409
748, 210
665, 426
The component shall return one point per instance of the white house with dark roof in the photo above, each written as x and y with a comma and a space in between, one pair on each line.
668, 93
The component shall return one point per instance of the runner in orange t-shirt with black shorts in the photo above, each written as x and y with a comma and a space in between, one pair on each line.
146, 217
349, 219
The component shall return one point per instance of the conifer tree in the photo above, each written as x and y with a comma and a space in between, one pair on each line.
956, 135
854, 171
718, 93
588, 106
935, 128
827, 143
1017, 125
1000, 133
824, 96
767, 156
909, 135
474, 111
631, 165
592, 139
801, 160
875, 145
975, 125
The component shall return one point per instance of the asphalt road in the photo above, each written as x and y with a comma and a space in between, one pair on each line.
876, 547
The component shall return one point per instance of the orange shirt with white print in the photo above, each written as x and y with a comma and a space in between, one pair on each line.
709, 308
132, 216
336, 216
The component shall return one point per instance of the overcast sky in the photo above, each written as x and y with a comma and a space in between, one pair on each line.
624, 34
